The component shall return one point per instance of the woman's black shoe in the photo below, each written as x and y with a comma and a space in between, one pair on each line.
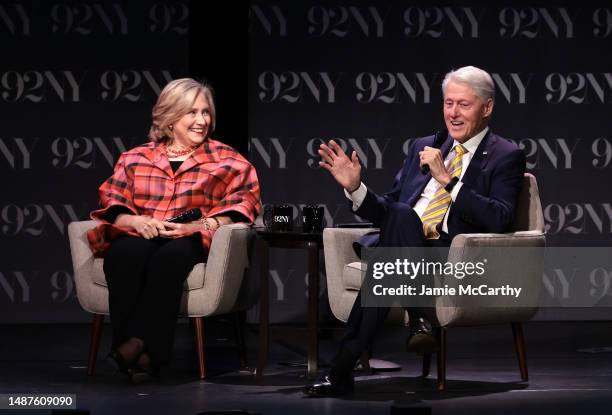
141, 375
117, 362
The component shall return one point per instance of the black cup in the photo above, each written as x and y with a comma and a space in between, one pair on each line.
278, 217
313, 218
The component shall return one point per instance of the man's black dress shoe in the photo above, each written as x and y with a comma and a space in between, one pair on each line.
331, 386
421, 339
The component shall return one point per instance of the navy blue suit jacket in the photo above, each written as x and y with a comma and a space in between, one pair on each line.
486, 201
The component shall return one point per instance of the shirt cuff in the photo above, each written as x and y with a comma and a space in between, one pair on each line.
455, 191
113, 212
357, 196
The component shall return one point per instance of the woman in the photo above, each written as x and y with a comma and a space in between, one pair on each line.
147, 258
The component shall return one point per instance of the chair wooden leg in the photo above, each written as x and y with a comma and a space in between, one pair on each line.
519, 344
198, 327
94, 342
365, 362
426, 364
239, 319
441, 331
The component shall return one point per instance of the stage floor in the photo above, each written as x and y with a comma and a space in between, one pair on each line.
570, 370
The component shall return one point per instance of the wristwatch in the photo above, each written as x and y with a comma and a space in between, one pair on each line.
451, 184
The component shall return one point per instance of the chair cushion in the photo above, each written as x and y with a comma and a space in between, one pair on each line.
194, 281
351, 275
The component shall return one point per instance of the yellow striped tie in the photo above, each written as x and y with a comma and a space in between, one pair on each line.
437, 207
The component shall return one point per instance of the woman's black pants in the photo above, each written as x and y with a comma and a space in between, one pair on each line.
145, 280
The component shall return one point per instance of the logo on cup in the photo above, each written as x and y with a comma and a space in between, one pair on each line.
278, 217
313, 218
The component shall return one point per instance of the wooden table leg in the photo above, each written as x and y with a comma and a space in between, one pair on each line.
264, 308
313, 308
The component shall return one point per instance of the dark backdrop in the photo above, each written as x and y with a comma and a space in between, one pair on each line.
77, 84
78, 80
368, 74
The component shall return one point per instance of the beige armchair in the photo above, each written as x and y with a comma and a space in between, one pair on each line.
343, 269
218, 286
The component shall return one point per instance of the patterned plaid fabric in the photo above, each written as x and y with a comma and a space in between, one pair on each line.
216, 179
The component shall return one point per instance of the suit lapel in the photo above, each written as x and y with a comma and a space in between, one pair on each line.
446, 147
418, 184
479, 161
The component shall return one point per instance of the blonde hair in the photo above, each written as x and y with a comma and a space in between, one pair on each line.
176, 100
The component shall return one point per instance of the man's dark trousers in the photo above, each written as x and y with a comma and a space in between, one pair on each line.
401, 227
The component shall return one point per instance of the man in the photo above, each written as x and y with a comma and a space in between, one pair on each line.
472, 186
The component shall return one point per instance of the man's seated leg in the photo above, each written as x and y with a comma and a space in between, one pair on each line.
362, 325
403, 228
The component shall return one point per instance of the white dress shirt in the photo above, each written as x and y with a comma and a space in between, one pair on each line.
433, 185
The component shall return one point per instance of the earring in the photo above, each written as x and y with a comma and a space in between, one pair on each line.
170, 127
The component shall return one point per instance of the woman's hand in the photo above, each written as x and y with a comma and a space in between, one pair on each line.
145, 226
178, 230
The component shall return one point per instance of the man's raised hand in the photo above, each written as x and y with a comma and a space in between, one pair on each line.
346, 171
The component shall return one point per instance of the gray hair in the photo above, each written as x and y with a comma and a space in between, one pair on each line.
477, 79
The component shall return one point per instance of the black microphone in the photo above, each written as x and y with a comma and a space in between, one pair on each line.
438, 141
187, 216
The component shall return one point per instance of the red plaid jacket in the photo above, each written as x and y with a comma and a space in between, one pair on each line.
216, 179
